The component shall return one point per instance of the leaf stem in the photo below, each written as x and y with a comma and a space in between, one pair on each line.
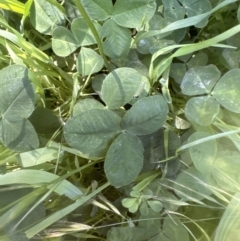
94, 31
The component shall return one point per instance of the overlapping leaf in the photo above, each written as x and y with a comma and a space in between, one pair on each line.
200, 80
119, 87
203, 154
146, 115
92, 132
227, 90
45, 16
124, 160
202, 110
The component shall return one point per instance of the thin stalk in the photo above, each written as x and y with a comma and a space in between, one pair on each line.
94, 31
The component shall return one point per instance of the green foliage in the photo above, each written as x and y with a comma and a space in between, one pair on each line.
119, 120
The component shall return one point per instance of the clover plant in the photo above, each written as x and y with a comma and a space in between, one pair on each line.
119, 120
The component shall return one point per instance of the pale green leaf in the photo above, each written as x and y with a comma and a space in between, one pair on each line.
128, 202
203, 154
85, 105
92, 132
173, 229
116, 39
38, 156
89, 62
119, 87
82, 32
227, 90
133, 13
155, 205
17, 96
44, 16
200, 80
19, 135
228, 228
63, 42
225, 171
202, 110
37, 177
98, 9
192, 185
146, 115
124, 160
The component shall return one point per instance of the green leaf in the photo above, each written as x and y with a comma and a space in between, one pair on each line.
116, 39
128, 202
97, 9
202, 110
126, 234
177, 71
231, 58
119, 87
203, 154
19, 135
192, 185
63, 42
155, 205
82, 32
89, 62
200, 80
173, 229
146, 115
229, 225
133, 13
85, 105
92, 132
197, 7
225, 171
144, 209
44, 16
40, 177
124, 160
17, 96
200, 59
173, 9
227, 90
38, 156
44, 120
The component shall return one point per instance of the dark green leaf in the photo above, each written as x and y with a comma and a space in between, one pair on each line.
126, 234
85, 105
19, 135
92, 132
116, 39
124, 160
17, 96
146, 115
